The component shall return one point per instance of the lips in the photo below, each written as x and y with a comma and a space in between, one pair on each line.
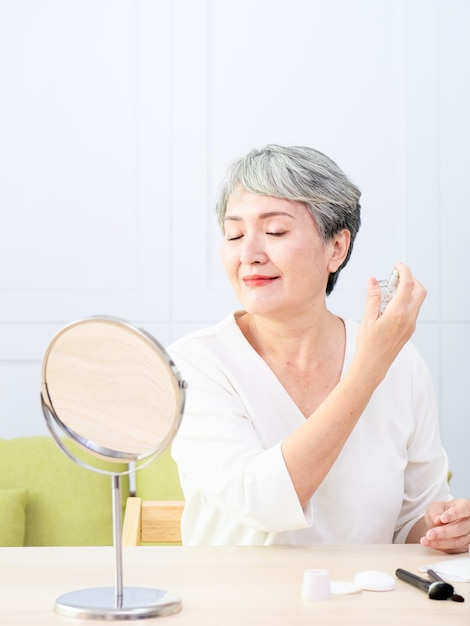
257, 280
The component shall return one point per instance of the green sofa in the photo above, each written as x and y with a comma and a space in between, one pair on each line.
46, 499
159, 480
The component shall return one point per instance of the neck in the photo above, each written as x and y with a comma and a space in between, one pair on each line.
297, 340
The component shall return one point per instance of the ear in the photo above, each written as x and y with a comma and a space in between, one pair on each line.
339, 246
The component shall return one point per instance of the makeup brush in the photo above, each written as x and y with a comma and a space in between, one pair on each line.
435, 576
437, 590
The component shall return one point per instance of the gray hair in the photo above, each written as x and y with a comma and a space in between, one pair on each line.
300, 174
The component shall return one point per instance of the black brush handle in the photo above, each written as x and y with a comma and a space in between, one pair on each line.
413, 579
435, 576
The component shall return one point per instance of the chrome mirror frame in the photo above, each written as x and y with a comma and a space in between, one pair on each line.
118, 602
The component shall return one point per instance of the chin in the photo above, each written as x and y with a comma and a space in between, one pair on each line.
263, 310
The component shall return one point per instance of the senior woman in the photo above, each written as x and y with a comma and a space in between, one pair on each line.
302, 427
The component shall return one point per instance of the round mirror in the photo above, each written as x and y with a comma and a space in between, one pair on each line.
111, 388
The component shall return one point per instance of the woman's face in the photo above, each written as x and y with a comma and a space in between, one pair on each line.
274, 256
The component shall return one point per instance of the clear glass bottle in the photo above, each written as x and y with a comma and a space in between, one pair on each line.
388, 289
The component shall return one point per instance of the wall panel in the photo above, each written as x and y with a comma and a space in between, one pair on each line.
118, 119
84, 162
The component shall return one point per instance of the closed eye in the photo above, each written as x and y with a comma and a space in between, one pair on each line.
234, 238
278, 234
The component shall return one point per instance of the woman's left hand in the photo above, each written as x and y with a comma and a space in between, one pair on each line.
449, 526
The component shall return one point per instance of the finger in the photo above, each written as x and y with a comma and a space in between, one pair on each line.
454, 510
454, 536
373, 298
410, 291
452, 545
433, 513
453, 529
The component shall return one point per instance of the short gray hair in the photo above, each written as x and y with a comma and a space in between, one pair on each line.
300, 174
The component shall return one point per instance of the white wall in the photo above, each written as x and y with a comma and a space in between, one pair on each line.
119, 117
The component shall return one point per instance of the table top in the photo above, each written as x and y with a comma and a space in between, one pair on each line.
239, 586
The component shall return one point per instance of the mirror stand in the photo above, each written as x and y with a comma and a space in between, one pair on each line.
93, 371
120, 602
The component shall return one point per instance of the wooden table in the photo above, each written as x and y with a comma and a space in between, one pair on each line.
228, 586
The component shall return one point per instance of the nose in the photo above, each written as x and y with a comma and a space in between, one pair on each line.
252, 250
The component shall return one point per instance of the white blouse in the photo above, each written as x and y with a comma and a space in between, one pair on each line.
228, 450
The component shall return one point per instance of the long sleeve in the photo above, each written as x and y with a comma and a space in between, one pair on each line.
427, 467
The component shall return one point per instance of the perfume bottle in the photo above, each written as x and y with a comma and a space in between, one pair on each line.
388, 289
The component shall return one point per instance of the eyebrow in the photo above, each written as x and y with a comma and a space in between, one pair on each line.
262, 216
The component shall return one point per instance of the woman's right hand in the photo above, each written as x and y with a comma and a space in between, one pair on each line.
382, 336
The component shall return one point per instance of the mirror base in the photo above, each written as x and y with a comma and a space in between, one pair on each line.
101, 603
